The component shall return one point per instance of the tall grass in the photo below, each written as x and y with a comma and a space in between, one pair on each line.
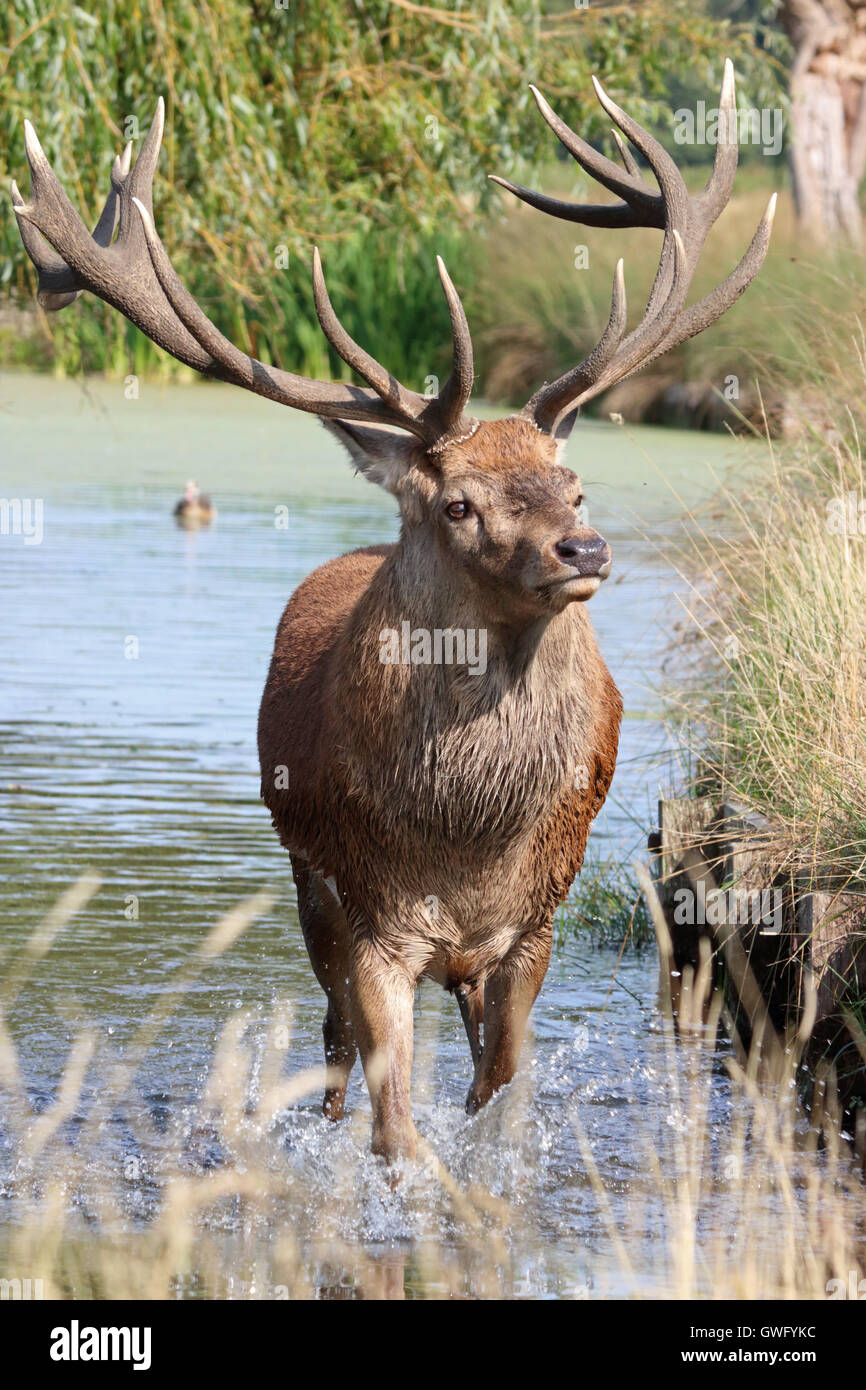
754, 1212
775, 710
606, 906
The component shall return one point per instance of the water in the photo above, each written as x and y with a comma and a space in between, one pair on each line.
134, 659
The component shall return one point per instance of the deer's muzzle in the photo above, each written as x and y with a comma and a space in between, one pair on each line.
589, 555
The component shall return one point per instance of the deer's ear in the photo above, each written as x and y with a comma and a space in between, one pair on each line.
380, 454
562, 431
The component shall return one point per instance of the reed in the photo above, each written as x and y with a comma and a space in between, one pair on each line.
773, 714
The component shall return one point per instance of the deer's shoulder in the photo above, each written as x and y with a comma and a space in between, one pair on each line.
337, 585
321, 604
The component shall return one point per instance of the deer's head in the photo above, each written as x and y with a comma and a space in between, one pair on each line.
492, 497
496, 507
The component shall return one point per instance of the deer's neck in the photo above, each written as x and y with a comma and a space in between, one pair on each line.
418, 594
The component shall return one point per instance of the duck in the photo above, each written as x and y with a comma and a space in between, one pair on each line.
195, 508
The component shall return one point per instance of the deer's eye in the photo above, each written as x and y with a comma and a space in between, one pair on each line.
579, 501
456, 511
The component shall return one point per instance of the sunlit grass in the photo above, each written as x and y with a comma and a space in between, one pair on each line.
606, 906
773, 707
768, 705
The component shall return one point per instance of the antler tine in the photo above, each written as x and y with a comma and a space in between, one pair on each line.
57, 284
134, 275
105, 227
600, 370
406, 405
708, 310
626, 155
454, 396
553, 405
674, 202
432, 420
120, 273
140, 184
674, 196
629, 186
696, 216
329, 399
642, 206
549, 405
714, 198
588, 214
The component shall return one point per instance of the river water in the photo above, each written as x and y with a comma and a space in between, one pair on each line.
134, 655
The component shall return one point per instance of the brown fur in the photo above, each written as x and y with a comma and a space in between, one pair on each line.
450, 810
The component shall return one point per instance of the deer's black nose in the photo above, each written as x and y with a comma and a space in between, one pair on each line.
589, 556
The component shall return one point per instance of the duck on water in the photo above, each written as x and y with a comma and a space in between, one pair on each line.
195, 508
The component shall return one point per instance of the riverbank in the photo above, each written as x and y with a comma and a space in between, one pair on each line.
770, 701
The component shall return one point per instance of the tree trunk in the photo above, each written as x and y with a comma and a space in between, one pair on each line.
828, 114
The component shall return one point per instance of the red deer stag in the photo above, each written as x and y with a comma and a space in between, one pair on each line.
435, 808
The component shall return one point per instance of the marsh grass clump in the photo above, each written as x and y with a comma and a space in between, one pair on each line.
606, 906
775, 718
769, 704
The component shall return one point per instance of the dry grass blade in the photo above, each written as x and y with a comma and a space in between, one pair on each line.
37, 946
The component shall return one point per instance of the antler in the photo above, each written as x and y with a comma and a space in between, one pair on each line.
685, 219
134, 274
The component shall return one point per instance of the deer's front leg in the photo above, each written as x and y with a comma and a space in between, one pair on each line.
382, 997
509, 994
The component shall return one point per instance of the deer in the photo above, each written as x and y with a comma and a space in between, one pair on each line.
435, 812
